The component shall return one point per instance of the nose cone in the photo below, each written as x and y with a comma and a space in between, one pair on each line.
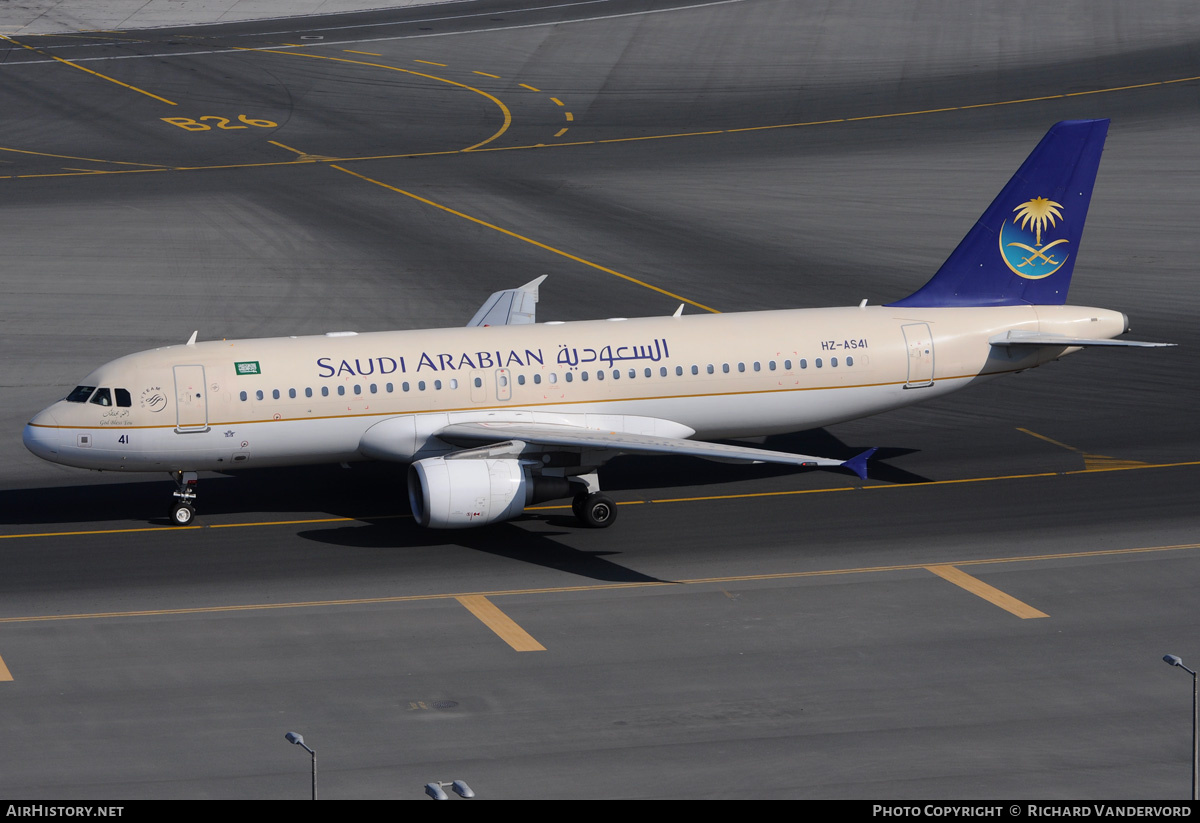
41, 436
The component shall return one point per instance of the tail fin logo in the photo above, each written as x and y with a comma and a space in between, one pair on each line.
1021, 240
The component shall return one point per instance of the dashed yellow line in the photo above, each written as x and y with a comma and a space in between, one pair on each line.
531, 88
485, 74
525, 239
557, 102
989, 593
561, 132
367, 53
89, 71
430, 63
503, 108
499, 622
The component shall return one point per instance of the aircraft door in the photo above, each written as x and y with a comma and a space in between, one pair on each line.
919, 342
191, 399
503, 384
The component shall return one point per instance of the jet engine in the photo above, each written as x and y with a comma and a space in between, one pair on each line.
458, 493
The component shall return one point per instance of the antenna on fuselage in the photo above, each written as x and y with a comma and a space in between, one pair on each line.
192, 340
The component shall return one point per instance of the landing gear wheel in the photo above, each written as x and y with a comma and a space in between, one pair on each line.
182, 514
596, 510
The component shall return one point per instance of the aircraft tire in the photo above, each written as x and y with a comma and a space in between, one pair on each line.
182, 514
596, 511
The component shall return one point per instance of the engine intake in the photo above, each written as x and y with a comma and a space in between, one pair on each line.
460, 493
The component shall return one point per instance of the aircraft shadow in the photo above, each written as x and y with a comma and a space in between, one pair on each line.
504, 540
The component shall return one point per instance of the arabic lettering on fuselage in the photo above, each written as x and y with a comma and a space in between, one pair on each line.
608, 355
332, 367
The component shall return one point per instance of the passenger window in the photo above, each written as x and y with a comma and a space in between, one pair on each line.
341, 391
102, 398
520, 380
390, 388
771, 365
243, 396
81, 394
404, 386
258, 395
454, 382
324, 391
357, 389
292, 394
803, 363
307, 391
725, 368
569, 377
437, 384
275, 394
374, 389
679, 371
849, 361
741, 367
123, 398
819, 363
757, 366
420, 385
695, 369
787, 365
537, 379
478, 382
582, 376
662, 371
833, 361
553, 377
599, 375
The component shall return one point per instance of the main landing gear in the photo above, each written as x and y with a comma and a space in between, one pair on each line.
594, 509
183, 512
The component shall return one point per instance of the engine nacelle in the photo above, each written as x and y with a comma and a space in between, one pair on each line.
460, 493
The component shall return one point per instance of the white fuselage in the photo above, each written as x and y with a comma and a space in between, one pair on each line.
288, 401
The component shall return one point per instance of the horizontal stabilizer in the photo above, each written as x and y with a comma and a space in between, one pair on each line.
1032, 338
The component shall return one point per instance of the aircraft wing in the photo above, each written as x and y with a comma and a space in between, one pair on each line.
511, 307
575, 437
1032, 338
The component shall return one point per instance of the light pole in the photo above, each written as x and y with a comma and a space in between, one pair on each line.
1173, 660
298, 739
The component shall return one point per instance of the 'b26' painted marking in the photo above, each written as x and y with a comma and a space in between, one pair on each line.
222, 123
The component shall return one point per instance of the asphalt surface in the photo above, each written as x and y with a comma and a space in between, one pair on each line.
741, 631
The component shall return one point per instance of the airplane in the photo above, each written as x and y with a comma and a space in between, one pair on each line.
508, 412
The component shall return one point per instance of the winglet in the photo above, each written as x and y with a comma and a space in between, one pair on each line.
858, 463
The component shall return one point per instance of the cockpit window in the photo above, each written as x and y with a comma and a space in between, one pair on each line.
123, 398
80, 394
102, 397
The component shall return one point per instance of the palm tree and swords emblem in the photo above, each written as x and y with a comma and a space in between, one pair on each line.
1031, 261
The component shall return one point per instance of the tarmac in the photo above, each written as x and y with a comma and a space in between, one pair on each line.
57, 16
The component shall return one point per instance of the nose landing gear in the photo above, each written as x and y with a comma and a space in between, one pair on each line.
183, 512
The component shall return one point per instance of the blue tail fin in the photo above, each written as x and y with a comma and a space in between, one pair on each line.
1023, 248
